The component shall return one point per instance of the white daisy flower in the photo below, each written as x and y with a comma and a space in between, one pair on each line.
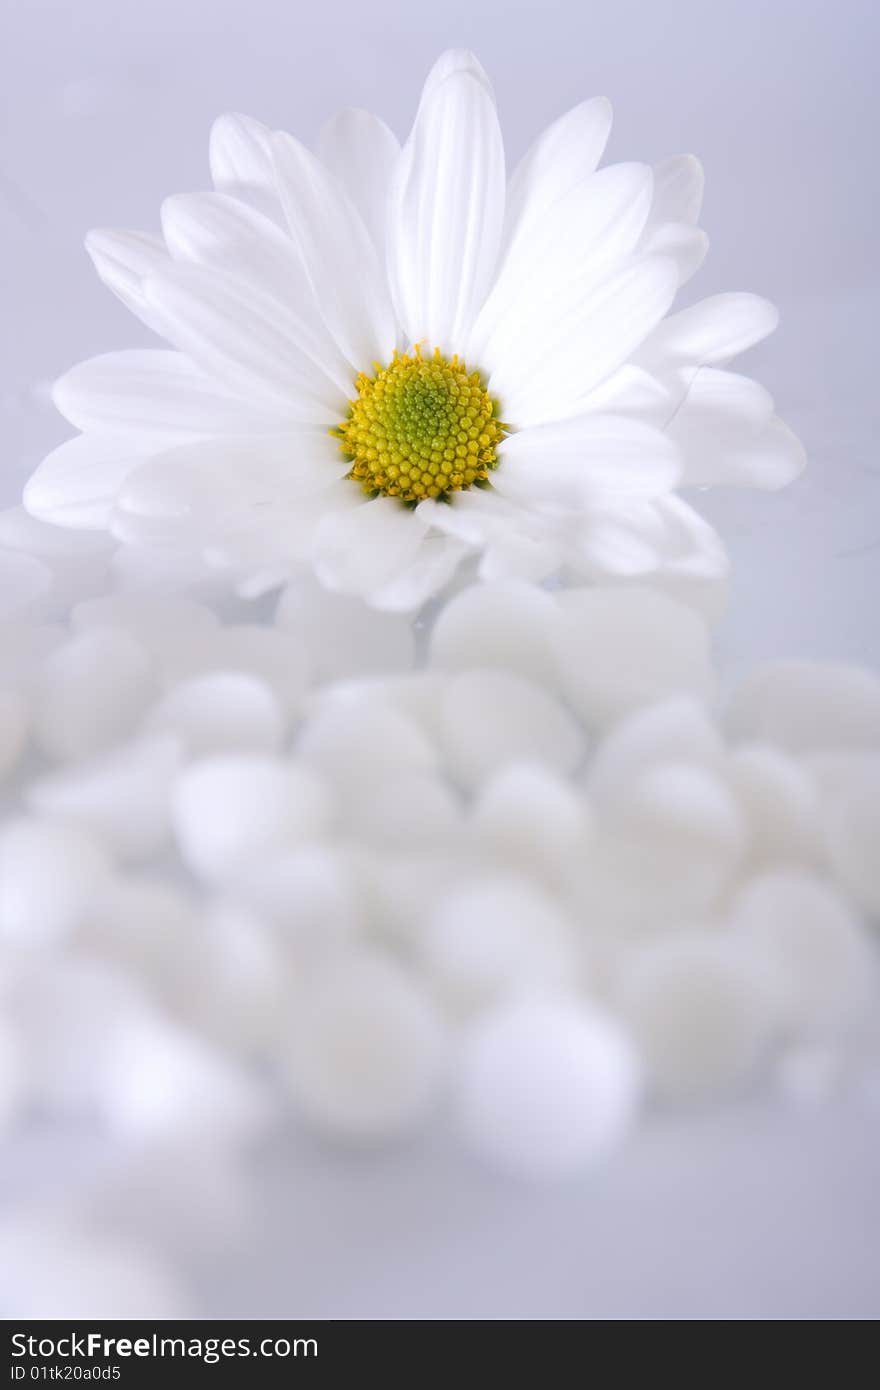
386, 359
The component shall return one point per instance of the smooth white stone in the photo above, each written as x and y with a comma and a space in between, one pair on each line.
408, 810
226, 810
507, 624
816, 955
222, 712
620, 648
365, 1051
342, 636
684, 833
355, 746
152, 929
92, 692
123, 797
241, 992
68, 1015
779, 802
852, 835
161, 1080
269, 654
14, 730
175, 632
48, 876
701, 1012
493, 718
496, 936
310, 894
529, 817
676, 730
547, 1089
804, 705
399, 888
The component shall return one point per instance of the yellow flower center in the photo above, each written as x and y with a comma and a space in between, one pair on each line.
421, 427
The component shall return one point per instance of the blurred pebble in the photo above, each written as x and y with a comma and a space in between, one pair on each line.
365, 1050
225, 810
342, 636
701, 1013
222, 712
509, 625
852, 836
620, 648
493, 718
528, 816
804, 705
546, 1089
14, 729
92, 692
48, 876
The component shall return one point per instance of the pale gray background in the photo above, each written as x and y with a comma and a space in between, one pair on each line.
107, 106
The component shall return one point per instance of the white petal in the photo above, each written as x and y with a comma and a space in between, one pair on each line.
555, 373
562, 157
123, 260
361, 151
160, 395
341, 261
712, 331
678, 189
556, 262
447, 210
77, 484
573, 463
241, 162
433, 566
225, 234
244, 338
364, 549
216, 478
455, 60
684, 244
632, 391
770, 460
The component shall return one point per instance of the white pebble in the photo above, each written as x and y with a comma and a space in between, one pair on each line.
701, 1012
805, 705
495, 936
163, 1081
684, 831
624, 647
355, 746
507, 624
676, 730
123, 797
240, 993
225, 810
92, 693
310, 894
24, 648
14, 730
342, 636
152, 929
852, 836
222, 712
547, 1089
365, 1051
493, 718
811, 945
410, 810
527, 816
48, 876
780, 804
270, 654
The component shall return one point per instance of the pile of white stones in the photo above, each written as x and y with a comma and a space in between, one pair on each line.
518, 866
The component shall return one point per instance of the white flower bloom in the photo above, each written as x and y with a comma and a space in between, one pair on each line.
385, 359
